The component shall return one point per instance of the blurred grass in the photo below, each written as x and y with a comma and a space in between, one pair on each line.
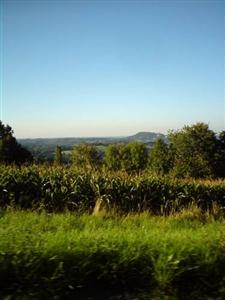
55, 256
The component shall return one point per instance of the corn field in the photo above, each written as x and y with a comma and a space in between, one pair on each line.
57, 189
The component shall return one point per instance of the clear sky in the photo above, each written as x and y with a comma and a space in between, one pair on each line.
102, 68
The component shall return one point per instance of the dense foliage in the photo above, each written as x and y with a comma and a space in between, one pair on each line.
60, 188
10, 150
86, 156
194, 152
160, 160
113, 157
58, 156
131, 157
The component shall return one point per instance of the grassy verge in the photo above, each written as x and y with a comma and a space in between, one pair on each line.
54, 256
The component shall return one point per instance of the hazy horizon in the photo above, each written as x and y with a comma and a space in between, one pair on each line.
111, 68
106, 136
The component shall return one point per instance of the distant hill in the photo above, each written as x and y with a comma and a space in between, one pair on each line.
43, 148
146, 137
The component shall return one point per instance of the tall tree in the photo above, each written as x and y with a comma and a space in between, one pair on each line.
194, 149
160, 160
10, 150
86, 156
112, 157
134, 157
58, 156
220, 155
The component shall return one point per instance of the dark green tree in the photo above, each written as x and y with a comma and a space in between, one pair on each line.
86, 156
10, 150
220, 155
112, 157
134, 157
58, 156
194, 148
160, 159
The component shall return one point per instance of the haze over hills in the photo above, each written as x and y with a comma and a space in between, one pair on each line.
43, 148
67, 142
146, 137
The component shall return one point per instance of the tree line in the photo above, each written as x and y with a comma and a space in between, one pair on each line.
194, 151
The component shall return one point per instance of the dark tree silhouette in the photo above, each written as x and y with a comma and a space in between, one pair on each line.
10, 150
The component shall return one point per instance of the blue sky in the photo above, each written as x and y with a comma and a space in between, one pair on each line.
102, 68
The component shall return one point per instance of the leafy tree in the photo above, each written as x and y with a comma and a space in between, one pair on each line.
194, 149
58, 156
112, 157
139, 156
134, 157
129, 157
86, 156
220, 155
160, 160
10, 150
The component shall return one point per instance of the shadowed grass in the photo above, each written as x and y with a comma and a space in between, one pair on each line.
54, 256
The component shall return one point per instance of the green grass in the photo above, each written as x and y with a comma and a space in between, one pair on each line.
66, 256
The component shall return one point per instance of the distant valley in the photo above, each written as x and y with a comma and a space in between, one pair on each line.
43, 148
68, 142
